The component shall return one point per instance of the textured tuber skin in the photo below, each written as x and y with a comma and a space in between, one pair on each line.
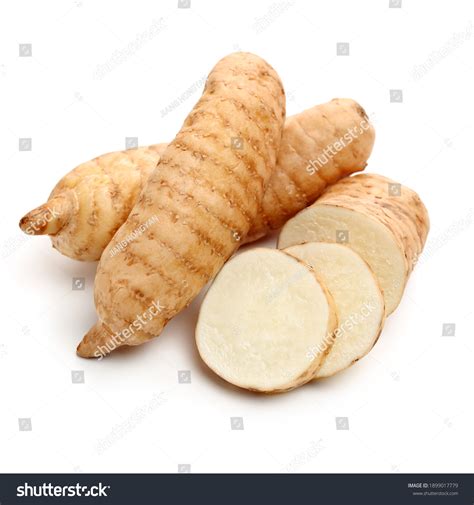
319, 147
405, 216
206, 193
102, 192
91, 202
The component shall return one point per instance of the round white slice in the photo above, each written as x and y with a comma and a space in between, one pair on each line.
367, 236
261, 317
357, 296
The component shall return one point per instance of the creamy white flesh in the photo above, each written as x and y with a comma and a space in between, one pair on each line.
369, 238
260, 318
357, 296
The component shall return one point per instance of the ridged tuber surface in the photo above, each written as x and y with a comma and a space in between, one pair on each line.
309, 159
206, 193
91, 202
319, 147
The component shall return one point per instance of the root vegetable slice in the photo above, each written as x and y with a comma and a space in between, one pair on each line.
383, 221
356, 293
260, 317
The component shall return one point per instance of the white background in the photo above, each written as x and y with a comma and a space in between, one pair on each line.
409, 403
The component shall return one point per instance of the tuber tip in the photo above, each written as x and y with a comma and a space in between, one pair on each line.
49, 218
97, 342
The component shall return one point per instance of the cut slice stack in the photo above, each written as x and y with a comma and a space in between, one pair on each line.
268, 323
274, 320
263, 315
